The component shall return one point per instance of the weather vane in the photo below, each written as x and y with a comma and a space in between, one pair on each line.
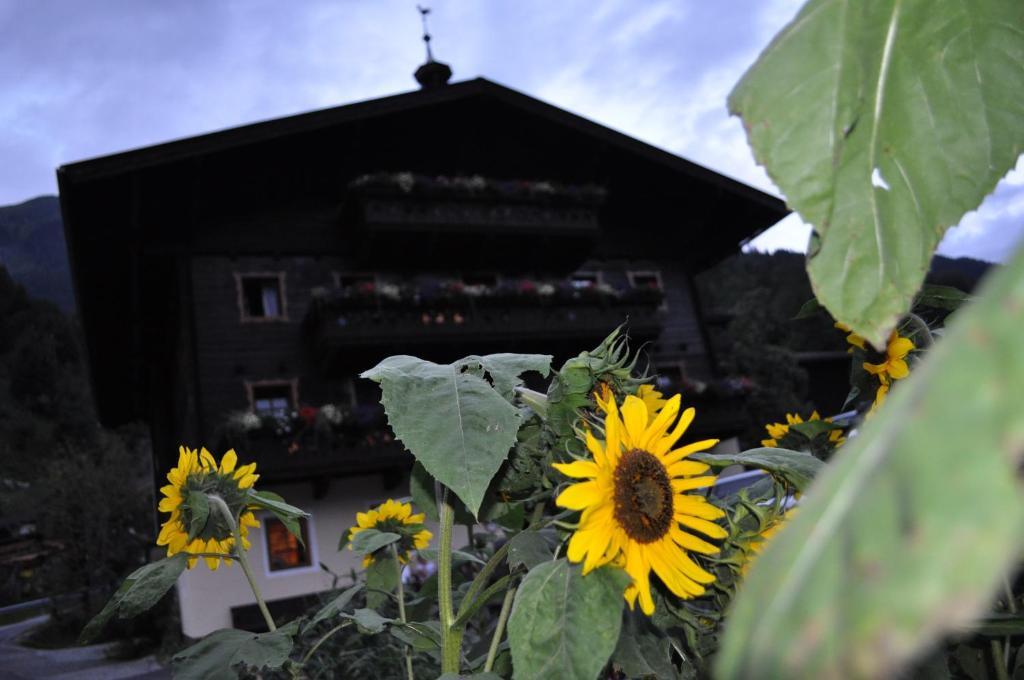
424, 11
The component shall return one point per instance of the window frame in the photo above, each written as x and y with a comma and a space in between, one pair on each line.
311, 547
656, 273
282, 295
291, 383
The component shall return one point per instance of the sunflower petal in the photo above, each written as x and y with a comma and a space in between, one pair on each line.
580, 469
228, 462
692, 483
634, 417
704, 526
579, 496
687, 468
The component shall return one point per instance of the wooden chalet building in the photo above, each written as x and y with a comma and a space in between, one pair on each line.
233, 284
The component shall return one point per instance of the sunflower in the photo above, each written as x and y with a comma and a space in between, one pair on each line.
894, 365
757, 543
634, 504
853, 339
199, 473
392, 516
652, 398
778, 431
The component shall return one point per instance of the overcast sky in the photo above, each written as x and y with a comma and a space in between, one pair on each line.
82, 78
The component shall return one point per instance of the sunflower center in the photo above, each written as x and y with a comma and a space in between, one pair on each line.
643, 496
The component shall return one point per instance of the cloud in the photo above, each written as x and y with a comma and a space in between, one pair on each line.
81, 79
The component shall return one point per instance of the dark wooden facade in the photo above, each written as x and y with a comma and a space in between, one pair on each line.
172, 245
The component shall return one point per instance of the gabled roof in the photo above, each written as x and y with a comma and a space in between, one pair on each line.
306, 122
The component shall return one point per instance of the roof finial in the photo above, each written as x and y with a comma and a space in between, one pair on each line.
432, 74
424, 11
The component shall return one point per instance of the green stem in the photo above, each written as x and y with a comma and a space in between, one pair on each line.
467, 610
922, 331
494, 562
998, 661
322, 640
1013, 610
451, 637
225, 512
481, 579
499, 629
400, 592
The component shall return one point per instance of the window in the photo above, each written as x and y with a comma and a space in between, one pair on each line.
650, 280
284, 551
272, 398
584, 280
261, 296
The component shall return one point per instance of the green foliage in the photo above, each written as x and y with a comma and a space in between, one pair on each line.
565, 625
141, 590
530, 548
370, 541
883, 124
381, 579
928, 469
221, 655
369, 621
794, 468
643, 650
336, 606
456, 419
200, 508
288, 514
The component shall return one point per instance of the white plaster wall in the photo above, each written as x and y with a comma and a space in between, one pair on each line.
206, 597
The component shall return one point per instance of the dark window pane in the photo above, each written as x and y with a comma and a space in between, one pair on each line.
284, 549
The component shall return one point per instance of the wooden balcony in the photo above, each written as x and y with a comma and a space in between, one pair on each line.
277, 460
480, 322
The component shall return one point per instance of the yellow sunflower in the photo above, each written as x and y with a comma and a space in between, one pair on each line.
634, 504
200, 473
652, 398
392, 516
777, 431
757, 543
852, 338
894, 365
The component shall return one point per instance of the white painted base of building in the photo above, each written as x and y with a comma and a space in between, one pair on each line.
206, 598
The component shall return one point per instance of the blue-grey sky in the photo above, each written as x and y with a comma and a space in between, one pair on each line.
82, 78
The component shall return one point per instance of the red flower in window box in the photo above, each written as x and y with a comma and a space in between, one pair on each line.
308, 414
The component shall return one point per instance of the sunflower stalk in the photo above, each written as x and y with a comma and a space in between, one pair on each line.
499, 629
400, 594
239, 554
451, 637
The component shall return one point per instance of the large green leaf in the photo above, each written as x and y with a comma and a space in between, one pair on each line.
456, 419
643, 651
905, 535
793, 467
883, 123
370, 540
141, 590
565, 625
381, 579
222, 653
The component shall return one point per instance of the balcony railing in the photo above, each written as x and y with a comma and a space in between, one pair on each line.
346, 319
